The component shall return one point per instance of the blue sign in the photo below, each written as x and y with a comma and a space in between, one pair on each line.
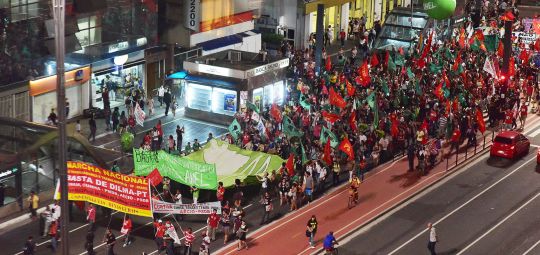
230, 102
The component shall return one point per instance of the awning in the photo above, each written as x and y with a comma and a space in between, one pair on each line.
209, 81
220, 42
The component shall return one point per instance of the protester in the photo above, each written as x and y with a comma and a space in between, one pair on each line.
311, 230
242, 236
212, 224
29, 246
91, 216
110, 241
189, 238
126, 230
33, 204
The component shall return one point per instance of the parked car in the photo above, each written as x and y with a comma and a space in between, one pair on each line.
510, 144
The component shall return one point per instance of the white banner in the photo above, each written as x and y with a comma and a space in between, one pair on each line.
204, 208
139, 115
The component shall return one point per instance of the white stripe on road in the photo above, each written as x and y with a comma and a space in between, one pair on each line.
498, 224
462, 205
535, 133
532, 248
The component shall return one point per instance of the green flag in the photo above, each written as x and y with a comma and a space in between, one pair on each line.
235, 129
491, 42
434, 68
289, 129
448, 54
304, 157
410, 74
376, 117
417, 88
371, 100
446, 92
391, 64
385, 89
304, 102
325, 133
252, 106
399, 60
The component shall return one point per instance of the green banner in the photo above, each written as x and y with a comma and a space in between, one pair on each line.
234, 163
180, 169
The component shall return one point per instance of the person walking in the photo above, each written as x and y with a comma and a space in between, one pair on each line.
335, 173
33, 204
342, 37
93, 128
309, 185
212, 221
204, 248
160, 94
115, 119
29, 246
89, 245
48, 219
91, 216
311, 230
189, 237
167, 99
267, 204
110, 241
410, 157
195, 191
433, 238
53, 231
179, 136
242, 236
126, 230
226, 226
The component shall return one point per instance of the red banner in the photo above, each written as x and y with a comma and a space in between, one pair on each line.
120, 192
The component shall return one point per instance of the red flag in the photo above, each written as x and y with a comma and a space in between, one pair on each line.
508, 16
455, 67
500, 49
154, 177
524, 56
455, 105
276, 113
480, 120
386, 58
346, 147
331, 117
536, 26
479, 34
336, 99
374, 60
446, 80
400, 50
438, 91
462, 38
352, 121
290, 165
328, 63
537, 44
394, 129
511, 67
424, 125
327, 157
363, 72
350, 89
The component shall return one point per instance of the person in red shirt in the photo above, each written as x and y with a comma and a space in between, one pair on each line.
160, 232
126, 230
342, 37
160, 133
508, 119
213, 221
91, 216
454, 140
189, 237
220, 193
523, 114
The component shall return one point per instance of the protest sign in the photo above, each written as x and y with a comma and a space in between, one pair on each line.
159, 206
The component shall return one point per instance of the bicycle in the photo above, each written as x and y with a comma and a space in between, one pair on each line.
333, 251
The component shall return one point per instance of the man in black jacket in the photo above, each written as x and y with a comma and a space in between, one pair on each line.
167, 100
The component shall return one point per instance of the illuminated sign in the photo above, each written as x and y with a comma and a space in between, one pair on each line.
9, 172
267, 68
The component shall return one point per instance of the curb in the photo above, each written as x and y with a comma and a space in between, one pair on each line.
447, 173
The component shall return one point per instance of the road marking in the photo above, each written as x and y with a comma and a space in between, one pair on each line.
498, 224
532, 248
300, 212
462, 205
535, 133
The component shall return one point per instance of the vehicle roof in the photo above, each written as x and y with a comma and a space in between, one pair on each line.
509, 134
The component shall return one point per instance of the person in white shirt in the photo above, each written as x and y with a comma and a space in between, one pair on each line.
178, 200
432, 238
56, 211
48, 217
161, 93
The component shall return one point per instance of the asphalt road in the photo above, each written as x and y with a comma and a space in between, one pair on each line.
490, 207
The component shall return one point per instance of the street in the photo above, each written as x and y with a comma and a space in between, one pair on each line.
490, 207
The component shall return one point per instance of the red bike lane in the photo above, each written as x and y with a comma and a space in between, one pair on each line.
383, 189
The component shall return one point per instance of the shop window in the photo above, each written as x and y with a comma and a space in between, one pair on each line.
279, 92
22, 9
224, 101
199, 97
258, 97
268, 95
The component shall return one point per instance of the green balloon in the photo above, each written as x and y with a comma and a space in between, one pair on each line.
440, 9
127, 141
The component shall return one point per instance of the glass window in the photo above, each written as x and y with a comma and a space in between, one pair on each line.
224, 101
199, 97
279, 92
268, 95
257, 97
89, 31
417, 22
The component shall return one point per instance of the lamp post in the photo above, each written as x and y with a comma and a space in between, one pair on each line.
59, 39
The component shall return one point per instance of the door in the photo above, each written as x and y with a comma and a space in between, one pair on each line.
152, 78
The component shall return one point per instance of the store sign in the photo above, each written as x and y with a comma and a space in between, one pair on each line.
9, 172
267, 68
192, 14
118, 47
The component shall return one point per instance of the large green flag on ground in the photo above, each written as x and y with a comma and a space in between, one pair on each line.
235, 129
180, 169
289, 129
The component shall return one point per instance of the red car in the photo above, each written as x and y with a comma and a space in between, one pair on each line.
510, 144
538, 156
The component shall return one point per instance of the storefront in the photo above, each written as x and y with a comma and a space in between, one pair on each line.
120, 75
11, 178
43, 94
217, 89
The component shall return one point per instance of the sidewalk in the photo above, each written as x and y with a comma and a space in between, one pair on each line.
384, 189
